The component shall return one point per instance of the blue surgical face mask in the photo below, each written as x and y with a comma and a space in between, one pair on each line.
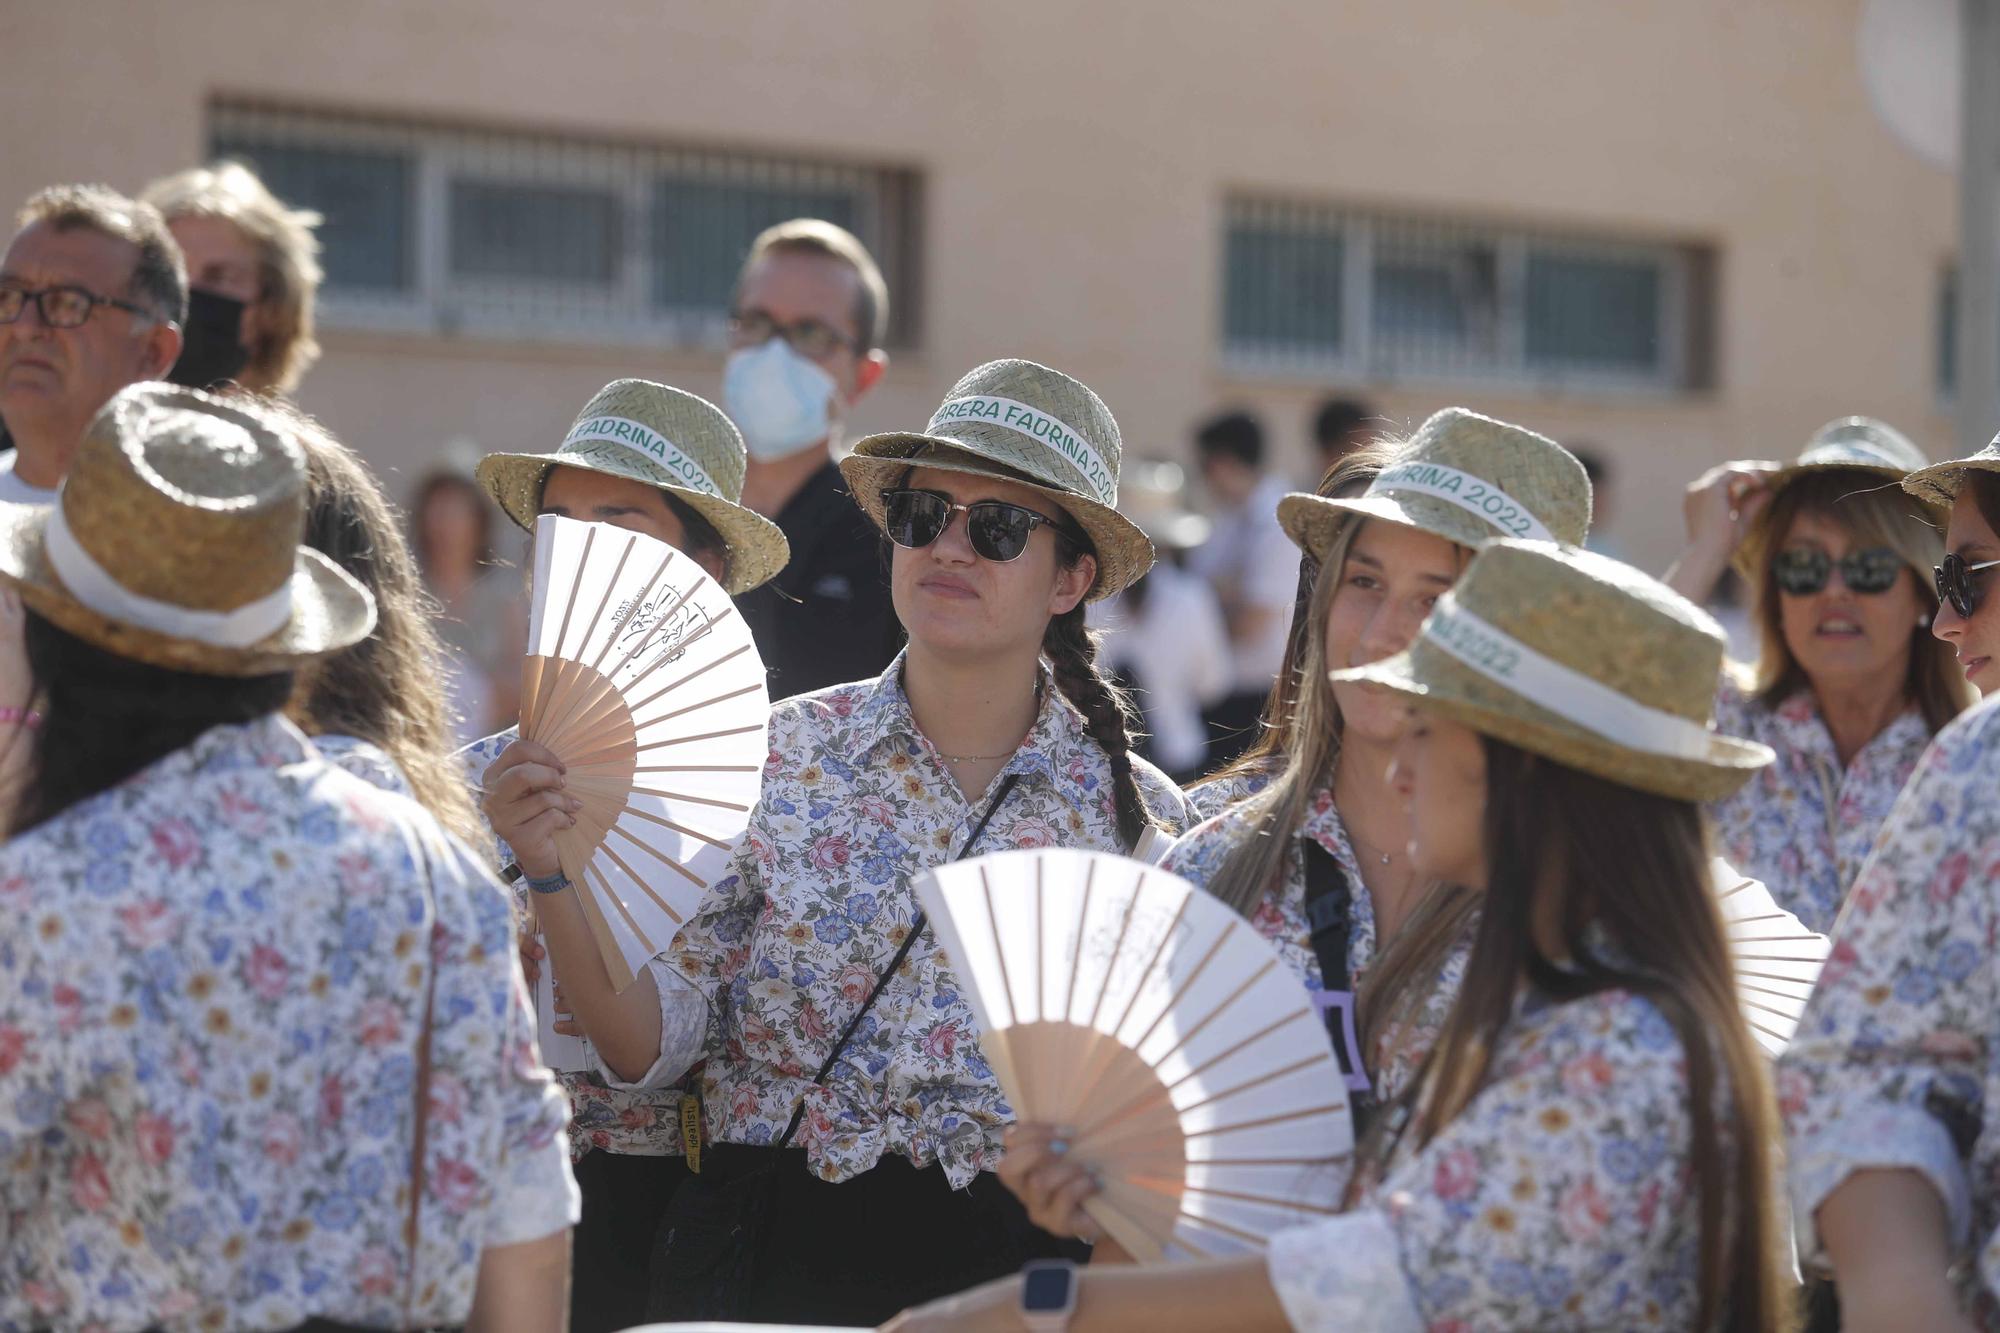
779, 400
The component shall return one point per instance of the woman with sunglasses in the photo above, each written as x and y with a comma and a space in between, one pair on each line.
1318, 860
1889, 1085
848, 1122
1588, 1144
1849, 686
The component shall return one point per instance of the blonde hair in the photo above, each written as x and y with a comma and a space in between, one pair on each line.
1875, 511
289, 272
816, 236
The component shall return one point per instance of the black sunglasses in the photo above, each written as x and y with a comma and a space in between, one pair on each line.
998, 531
1954, 583
1803, 571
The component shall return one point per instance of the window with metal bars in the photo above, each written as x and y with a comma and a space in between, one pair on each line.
1317, 289
524, 235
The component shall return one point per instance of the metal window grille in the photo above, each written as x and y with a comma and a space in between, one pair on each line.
521, 235
1324, 290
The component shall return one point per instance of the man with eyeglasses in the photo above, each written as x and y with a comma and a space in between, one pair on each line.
93, 292
804, 329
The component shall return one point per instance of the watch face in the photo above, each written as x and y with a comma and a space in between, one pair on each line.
1046, 1290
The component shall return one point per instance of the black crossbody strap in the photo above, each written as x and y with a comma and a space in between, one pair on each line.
896, 962
1330, 917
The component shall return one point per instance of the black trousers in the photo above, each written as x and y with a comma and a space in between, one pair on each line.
623, 1197
892, 1237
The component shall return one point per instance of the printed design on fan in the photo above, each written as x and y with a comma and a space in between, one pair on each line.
679, 623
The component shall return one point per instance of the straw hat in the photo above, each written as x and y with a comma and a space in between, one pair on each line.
1028, 424
1582, 659
1938, 484
666, 438
175, 541
1465, 478
1857, 443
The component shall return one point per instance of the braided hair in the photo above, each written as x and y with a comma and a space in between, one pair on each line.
1071, 647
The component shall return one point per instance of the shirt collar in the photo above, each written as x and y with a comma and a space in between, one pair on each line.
881, 714
271, 741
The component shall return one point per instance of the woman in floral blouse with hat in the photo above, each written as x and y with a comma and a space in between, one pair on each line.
1588, 1146
1849, 686
1890, 1086
868, 1159
267, 1057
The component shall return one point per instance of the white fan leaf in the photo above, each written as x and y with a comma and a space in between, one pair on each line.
1777, 959
644, 680
1118, 1000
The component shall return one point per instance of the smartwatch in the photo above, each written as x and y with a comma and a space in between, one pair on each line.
1048, 1295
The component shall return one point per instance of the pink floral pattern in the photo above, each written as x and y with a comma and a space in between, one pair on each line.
856, 803
1894, 1064
1538, 1208
207, 1029
1804, 825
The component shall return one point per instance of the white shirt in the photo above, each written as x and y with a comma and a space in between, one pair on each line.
1177, 651
1252, 564
14, 491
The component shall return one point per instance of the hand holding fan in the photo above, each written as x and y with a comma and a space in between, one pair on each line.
1121, 1001
1777, 958
643, 680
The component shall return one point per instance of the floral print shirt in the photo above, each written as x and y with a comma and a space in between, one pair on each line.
1560, 1198
1281, 919
640, 1121
210, 1006
856, 803
1804, 825
364, 760
1211, 798
1897, 1060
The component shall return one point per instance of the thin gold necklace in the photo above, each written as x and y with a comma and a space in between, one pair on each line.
989, 758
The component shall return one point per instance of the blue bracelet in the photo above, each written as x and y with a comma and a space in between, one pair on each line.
555, 883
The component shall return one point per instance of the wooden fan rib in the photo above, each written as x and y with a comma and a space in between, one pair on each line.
685, 709
1250, 1238
645, 940
705, 736
658, 855
692, 799
604, 716
600, 930
1212, 1014
1319, 1057
1264, 1200
596, 617
1117, 950
666, 823
699, 768
1076, 948
1335, 1108
680, 684
704, 668
1338, 1159
1154, 1096
707, 627
1237, 1049
643, 887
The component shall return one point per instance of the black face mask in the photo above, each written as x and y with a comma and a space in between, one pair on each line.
212, 341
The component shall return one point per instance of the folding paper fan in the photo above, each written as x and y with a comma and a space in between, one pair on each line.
1777, 958
643, 679
1121, 1001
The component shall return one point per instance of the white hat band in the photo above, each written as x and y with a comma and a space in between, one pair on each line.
646, 441
1589, 703
1019, 417
93, 586
1473, 494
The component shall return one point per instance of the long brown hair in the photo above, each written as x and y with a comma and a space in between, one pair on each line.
1584, 855
1877, 512
1303, 729
386, 689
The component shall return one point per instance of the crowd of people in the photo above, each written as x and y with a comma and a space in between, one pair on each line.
267, 1054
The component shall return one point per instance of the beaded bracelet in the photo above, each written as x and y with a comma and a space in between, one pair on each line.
555, 883
25, 717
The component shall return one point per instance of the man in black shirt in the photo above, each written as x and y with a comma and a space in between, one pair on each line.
809, 312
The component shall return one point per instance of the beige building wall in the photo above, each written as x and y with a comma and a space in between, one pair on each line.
1076, 155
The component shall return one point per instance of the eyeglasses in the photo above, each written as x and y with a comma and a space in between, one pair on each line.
810, 338
1803, 571
998, 531
61, 307
1954, 583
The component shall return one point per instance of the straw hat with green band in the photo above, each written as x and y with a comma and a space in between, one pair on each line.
1583, 660
1027, 424
1938, 484
663, 437
1465, 478
177, 540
